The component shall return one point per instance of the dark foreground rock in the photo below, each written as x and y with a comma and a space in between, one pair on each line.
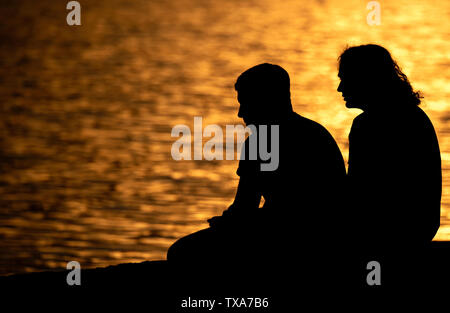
290, 283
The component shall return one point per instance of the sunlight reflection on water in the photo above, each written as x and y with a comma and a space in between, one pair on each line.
87, 111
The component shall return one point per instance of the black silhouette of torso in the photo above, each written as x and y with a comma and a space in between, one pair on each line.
395, 175
302, 203
302, 194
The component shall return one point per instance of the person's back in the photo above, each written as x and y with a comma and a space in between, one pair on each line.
302, 196
395, 171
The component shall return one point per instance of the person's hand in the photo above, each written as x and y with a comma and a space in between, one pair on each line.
226, 216
215, 221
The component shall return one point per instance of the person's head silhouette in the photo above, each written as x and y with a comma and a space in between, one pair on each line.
264, 94
370, 78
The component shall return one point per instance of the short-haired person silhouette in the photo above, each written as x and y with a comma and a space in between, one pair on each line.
300, 196
394, 170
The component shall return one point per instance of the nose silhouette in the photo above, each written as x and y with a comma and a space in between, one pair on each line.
239, 113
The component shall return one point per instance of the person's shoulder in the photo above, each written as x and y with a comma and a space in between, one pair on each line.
312, 128
304, 122
420, 119
421, 115
359, 122
360, 119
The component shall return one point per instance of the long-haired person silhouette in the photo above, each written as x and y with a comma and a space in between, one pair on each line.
301, 195
394, 170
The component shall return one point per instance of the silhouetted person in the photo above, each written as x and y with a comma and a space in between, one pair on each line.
394, 171
301, 195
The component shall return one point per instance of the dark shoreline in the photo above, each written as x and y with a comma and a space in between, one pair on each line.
161, 286
436, 251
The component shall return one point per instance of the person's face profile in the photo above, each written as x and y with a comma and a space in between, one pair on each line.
353, 89
245, 105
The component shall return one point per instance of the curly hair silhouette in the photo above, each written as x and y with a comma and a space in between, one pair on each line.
375, 76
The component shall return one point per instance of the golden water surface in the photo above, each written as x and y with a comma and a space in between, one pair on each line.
87, 111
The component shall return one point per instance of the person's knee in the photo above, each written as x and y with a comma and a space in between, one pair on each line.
174, 251
204, 244
186, 246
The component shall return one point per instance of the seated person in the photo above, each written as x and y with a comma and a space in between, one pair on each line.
301, 195
394, 173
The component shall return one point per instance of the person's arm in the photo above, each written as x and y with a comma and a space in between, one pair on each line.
247, 196
246, 200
